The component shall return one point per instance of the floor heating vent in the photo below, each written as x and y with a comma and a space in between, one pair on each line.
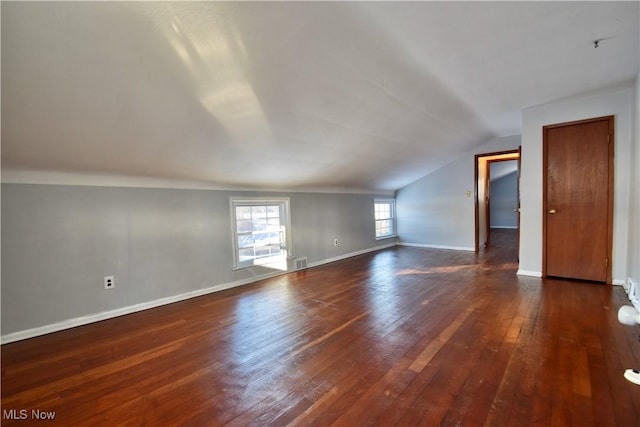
301, 263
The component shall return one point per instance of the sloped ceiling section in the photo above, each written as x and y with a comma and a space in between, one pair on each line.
291, 95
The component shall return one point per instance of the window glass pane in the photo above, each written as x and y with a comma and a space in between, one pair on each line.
245, 255
383, 227
274, 238
259, 211
244, 226
273, 223
259, 224
245, 242
243, 212
382, 210
261, 239
273, 211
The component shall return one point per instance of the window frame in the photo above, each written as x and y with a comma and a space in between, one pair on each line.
285, 221
392, 205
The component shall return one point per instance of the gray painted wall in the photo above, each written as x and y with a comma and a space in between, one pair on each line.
58, 242
633, 260
503, 199
435, 210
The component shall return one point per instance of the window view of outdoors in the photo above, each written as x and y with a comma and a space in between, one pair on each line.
384, 219
260, 233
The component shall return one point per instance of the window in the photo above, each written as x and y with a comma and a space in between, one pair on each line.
260, 232
385, 218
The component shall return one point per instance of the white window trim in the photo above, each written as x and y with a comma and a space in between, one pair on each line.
258, 201
393, 218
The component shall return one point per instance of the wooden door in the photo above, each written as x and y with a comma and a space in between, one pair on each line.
578, 199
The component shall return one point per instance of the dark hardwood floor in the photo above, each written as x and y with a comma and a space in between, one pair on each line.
404, 336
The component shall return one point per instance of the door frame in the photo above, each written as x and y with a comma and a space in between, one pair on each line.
487, 192
488, 157
610, 197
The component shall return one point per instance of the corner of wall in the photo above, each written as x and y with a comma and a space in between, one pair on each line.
632, 285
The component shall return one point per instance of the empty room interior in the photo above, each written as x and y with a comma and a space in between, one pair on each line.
320, 213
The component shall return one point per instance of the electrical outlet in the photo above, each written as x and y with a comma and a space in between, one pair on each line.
109, 283
335, 242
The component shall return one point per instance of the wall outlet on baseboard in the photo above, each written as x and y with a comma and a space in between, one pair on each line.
109, 282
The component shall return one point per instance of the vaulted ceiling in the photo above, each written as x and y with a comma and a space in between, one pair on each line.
292, 95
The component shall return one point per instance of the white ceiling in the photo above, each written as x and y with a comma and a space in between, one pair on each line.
294, 95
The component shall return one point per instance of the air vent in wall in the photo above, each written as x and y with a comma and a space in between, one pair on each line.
301, 263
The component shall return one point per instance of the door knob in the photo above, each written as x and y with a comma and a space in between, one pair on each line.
552, 211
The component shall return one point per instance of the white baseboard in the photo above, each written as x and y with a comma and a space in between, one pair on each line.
349, 255
422, 245
539, 274
85, 320
529, 273
104, 315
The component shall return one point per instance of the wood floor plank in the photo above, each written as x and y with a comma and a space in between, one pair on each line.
402, 336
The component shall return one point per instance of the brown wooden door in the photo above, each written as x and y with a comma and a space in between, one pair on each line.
578, 171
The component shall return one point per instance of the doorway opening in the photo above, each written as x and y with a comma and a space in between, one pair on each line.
497, 198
